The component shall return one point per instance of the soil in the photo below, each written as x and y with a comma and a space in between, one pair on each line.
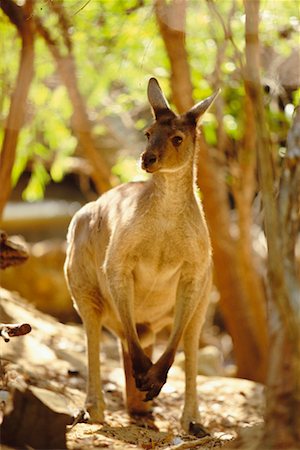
52, 357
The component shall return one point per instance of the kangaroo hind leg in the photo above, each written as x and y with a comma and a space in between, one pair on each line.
190, 418
135, 399
89, 308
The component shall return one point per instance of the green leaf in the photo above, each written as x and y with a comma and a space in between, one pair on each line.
57, 170
37, 183
127, 169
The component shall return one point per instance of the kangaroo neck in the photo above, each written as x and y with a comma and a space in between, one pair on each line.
174, 190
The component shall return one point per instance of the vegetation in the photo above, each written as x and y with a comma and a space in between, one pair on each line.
72, 99
119, 40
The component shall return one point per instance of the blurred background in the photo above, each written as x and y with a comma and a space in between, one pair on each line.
73, 107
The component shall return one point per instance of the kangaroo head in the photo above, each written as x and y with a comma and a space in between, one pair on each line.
171, 138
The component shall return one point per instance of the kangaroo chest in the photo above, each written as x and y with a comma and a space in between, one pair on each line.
159, 258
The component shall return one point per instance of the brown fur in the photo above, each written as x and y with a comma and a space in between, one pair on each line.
139, 258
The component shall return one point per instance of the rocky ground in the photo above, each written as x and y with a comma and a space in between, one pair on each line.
43, 383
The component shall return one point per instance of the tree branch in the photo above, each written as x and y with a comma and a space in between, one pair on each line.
171, 21
283, 394
22, 18
228, 34
15, 13
289, 211
67, 70
271, 219
8, 331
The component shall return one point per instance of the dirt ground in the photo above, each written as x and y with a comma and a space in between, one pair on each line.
52, 357
226, 406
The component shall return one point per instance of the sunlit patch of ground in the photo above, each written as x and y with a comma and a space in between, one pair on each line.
52, 357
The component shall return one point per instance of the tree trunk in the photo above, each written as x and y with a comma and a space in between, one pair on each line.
233, 302
250, 356
21, 17
171, 21
238, 311
243, 172
283, 393
67, 71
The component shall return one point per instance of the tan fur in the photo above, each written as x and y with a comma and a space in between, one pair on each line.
139, 258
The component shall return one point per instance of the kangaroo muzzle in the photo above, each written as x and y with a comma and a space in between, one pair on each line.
148, 160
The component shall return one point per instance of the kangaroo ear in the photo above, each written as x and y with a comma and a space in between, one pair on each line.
157, 100
199, 109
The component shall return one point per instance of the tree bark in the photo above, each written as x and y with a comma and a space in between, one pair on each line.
249, 347
244, 190
283, 393
21, 17
67, 71
249, 354
243, 171
171, 21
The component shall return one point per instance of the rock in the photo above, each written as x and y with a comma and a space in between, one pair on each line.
35, 373
210, 361
12, 253
228, 421
37, 418
51, 345
41, 280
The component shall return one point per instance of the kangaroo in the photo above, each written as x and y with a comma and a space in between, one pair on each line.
139, 258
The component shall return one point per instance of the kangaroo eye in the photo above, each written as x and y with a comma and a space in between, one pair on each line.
176, 140
147, 134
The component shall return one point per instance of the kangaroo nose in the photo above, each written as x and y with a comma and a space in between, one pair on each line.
148, 159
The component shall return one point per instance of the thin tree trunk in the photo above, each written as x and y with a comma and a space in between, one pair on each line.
289, 209
249, 348
244, 190
67, 71
171, 21
21, 17
243, 171
283, 394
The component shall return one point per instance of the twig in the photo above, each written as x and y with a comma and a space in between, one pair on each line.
81, 8
228, 34
192, 444
64, 22
67, 69
8, 331
16, 115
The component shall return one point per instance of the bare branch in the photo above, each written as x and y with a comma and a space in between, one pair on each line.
21, 17
81, 8
171, 21
289, 207
67, 71
8, 331
64, 22
15, 13
272, 225
228, 35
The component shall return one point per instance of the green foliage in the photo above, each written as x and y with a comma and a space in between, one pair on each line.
117, 46
127, 169
38, 180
